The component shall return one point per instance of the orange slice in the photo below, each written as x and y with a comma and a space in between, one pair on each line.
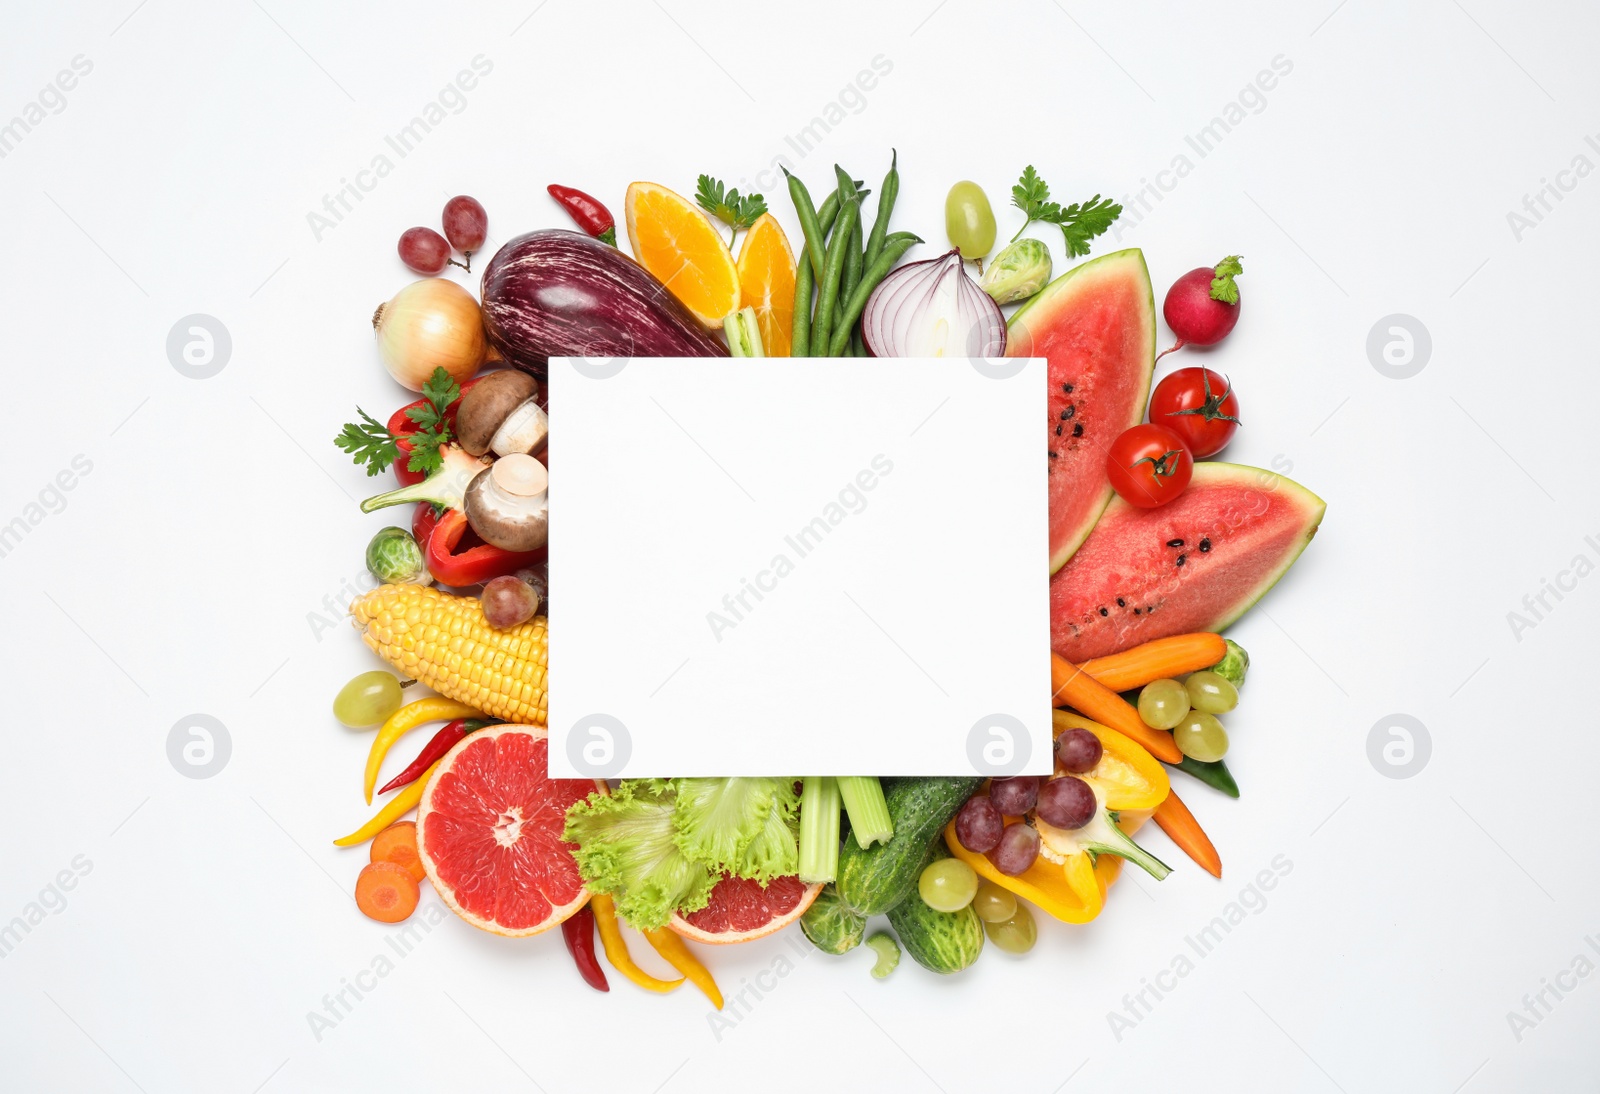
677, 242
766, 282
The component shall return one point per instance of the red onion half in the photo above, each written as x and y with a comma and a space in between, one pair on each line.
932, 309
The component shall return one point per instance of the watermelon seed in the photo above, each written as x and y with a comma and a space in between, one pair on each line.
1077, 429
1066, 415
1121, 603
1058, 431
1067, 388
1174, 543
1205, 545
1054, 453
1181, 558
1104, 612
1136, 611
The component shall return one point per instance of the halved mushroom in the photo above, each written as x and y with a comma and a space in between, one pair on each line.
507, 503
501, 414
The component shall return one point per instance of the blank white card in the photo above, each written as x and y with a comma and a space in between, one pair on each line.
779, 566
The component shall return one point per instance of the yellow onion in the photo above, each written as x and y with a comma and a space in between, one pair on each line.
433, 323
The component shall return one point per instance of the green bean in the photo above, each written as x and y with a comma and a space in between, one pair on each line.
800, 331
809, 225
893, 247
891, 190
832, 270
851, 277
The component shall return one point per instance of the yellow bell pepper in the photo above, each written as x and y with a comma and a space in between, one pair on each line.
1130, 781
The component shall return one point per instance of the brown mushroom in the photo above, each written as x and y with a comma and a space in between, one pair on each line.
501, 414
507, 503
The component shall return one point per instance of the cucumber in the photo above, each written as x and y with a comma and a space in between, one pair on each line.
875, 879
944, 942
831, 926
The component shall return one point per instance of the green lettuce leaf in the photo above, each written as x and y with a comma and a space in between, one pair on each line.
774, 852
628, 847
718, 818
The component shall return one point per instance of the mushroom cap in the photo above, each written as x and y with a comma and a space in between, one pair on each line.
507, 504
486, 405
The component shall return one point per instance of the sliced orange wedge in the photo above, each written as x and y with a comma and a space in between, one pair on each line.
766, 282
677, 242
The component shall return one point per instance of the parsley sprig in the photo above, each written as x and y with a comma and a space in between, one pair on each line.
370, 443
1079, 222
734, 209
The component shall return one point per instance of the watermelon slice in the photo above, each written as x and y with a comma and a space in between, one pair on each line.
1194, 564
1096, 325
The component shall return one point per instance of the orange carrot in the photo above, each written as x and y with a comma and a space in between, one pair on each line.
386, 892
1071, 687
1158, 659
398, 844
1181, 827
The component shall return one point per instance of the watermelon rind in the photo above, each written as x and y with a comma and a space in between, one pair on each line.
1047, 307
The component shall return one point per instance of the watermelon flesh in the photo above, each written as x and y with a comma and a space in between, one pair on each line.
1096, 325
1194, 564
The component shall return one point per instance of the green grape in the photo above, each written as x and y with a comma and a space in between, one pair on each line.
948, 885
1014, 935
368, 699
969, 221
1211, 693
1163, 704
994, 904
1201, 737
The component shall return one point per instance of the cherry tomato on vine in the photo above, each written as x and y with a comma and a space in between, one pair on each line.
1199, 406
1149, 465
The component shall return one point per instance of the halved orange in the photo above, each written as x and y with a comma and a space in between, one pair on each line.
676, 241
766, 282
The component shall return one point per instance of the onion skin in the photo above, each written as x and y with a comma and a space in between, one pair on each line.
432, 323
555, 293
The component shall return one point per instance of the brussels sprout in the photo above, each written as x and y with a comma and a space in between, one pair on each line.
832, 925
1234, 665
1017, 272
394, 557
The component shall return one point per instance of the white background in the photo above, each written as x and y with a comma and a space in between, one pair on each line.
1376, 179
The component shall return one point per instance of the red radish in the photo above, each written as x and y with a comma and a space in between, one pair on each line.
1203, 305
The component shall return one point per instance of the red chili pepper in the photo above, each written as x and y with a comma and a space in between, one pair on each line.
401, 425
440, 744
578, 932
475, 565
589, 214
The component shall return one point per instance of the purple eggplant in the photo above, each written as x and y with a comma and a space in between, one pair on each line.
556, 293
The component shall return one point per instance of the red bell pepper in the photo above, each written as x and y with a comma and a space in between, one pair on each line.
475, 565
401, 425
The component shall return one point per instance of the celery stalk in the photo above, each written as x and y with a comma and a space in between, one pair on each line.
819, 829
869, 813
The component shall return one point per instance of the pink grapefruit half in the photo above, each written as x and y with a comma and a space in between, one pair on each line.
742, 909
489, 832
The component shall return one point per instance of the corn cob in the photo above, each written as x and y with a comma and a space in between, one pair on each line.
443, 642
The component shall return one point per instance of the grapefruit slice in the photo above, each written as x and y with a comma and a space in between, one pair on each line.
1193, 564
1096, 325
489, 832
741, 909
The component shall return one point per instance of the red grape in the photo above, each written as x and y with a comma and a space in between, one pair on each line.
979, 824
1067, 802
465, 224
1019, 846
508, 601
1078, 750
424, 250
1016, 795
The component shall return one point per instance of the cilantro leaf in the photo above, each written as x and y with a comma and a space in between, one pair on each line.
369, 442
732, 208
1080, 222
1222, 286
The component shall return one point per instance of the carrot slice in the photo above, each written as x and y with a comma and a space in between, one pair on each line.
386, 892
1071, 687
1181, 827
398, 844
1158, 659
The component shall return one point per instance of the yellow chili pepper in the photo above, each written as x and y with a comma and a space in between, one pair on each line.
399, 805
676, 951
1131, 782
432, 709
605, 919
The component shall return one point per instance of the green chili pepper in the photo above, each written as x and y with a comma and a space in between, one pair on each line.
1215, 774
